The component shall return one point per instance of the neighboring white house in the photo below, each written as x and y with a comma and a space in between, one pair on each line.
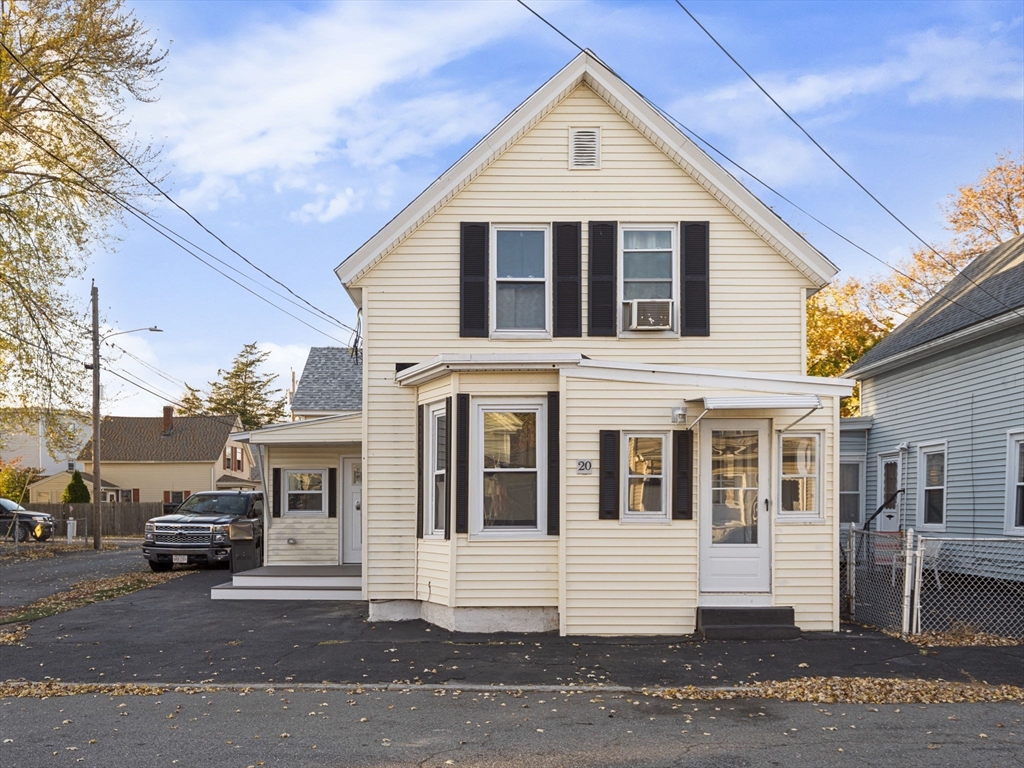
942, 399
583, 400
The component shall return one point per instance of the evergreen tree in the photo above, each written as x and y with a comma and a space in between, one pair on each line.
76, 492
242, 391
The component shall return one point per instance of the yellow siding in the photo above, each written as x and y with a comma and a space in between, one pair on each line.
622, 578
153, 478
317, 539
410, 320
433, 578
494, 574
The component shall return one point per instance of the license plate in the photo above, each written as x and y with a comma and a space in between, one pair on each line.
179, 558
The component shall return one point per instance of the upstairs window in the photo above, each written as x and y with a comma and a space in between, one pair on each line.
520, 290
648, 278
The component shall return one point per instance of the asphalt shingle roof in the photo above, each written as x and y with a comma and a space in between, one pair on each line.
332, 380
142, 438
989, 286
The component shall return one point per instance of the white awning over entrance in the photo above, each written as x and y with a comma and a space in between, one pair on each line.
809, 403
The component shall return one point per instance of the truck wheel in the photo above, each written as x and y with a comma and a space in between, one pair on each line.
159, 567
23, 532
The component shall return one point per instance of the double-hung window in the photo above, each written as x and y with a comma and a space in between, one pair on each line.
646, 487
1015, 483
648, 279
800, 485
521, 293
931, 485
851, 492
436, 458
511, 468
305, 491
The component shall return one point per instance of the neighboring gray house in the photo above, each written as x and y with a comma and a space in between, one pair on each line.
942, 403
331, 384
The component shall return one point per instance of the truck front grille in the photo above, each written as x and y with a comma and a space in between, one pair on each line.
183, 534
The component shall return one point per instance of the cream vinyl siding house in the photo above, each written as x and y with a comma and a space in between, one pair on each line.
583, 400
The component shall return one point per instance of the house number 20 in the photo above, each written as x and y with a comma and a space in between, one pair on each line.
584, 467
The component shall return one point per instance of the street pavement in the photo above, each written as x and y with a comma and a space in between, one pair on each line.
439, 729
24, 581
174, 633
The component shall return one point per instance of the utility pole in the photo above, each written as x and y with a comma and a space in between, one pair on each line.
97, 534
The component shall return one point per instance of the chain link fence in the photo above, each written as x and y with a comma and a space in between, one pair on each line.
915, 584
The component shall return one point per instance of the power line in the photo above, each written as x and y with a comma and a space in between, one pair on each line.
171, 234
154, 185
693, 135
45, 349
162, 374
839, 165
152, 389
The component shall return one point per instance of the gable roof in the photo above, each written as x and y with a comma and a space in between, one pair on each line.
141, 438
332, 380
989, 287
587, 69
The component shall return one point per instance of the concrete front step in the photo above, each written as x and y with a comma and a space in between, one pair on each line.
235, 592
301, 577
747, 623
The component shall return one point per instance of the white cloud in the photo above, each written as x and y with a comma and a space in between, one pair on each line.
927, 67
327, 208
289, 96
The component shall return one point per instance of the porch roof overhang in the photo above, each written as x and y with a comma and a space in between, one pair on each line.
329, 429
443, 365
808, 403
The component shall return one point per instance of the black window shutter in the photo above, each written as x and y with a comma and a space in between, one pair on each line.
554, 464
601, 309
275, 489
332, 492
695, 311
567, 309
682, 475
420, 457
608, 502
473, 316
462, 464
448, 468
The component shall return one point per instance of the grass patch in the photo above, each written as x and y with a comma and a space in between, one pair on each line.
82, 594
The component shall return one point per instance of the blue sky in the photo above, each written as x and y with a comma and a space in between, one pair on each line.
295, 130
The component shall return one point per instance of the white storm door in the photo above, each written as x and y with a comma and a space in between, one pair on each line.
890, 475
734, 508
352, 511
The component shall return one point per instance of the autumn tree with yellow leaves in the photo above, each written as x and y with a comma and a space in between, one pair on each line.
847, 318
67, 69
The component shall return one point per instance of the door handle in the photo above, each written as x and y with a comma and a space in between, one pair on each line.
766, 504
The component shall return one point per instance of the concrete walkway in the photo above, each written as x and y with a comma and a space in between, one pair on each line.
174, 633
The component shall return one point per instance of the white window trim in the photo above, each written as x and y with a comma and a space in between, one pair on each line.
285, 512
1013, 440
539, 333
432, 412
666, 463
801, 517
922, 450
861, 460
476, 476
620, 287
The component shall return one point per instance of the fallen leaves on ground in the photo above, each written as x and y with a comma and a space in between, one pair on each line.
856, 690
961, 636
86, 593
51, 688
14, 635
40, 550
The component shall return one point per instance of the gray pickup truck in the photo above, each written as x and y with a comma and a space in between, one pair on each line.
197, 531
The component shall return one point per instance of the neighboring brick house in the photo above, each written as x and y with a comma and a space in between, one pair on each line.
164, 458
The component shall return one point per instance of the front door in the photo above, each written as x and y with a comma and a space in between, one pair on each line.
734, 506
890, 472
352, 511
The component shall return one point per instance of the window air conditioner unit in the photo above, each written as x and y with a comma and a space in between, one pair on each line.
649, 315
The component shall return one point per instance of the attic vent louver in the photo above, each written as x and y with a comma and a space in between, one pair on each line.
584, 148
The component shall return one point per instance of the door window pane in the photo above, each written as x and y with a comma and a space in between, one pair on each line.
890, 480
735, 486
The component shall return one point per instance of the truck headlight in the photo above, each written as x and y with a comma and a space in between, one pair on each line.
220, 528
150, 530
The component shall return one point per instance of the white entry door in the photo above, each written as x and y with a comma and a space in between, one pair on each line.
734, 507
352, 511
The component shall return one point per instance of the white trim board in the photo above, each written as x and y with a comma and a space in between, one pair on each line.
587, 69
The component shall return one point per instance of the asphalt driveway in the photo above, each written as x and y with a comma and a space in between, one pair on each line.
24, 581
174, 633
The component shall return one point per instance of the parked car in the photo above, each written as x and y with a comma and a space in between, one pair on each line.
15, 520
197, 531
